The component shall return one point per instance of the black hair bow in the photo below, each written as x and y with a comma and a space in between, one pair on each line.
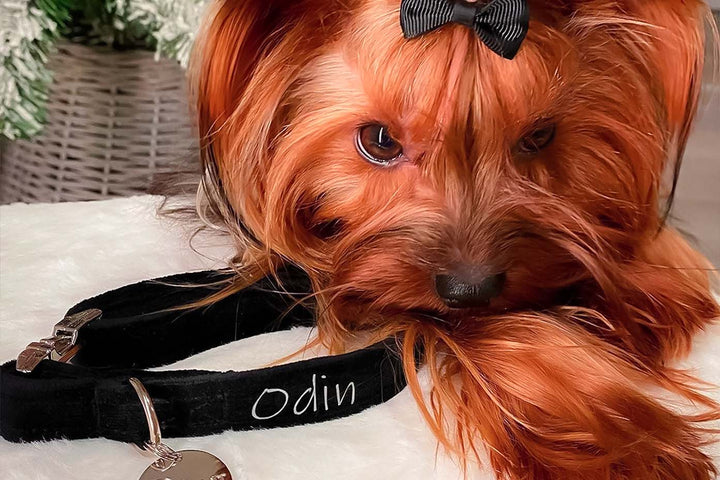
501, 24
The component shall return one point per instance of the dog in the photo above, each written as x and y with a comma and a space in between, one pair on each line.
508, 216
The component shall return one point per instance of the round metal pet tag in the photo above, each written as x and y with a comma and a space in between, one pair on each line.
192, 465
172, 465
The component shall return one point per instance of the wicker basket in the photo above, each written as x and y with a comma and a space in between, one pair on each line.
113, 119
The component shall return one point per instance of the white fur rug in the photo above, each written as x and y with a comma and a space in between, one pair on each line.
52, 256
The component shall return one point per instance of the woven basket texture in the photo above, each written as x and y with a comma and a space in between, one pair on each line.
113, 119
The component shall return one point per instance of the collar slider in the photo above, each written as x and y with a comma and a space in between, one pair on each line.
61, 346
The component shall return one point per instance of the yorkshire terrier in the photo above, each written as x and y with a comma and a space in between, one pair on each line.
500, 205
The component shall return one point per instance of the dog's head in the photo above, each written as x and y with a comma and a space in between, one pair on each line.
434, 176
431, 183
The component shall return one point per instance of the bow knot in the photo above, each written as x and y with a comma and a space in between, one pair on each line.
500, 24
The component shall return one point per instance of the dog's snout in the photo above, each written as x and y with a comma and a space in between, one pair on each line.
466, 287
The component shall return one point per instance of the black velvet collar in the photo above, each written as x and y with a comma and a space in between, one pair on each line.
138, 329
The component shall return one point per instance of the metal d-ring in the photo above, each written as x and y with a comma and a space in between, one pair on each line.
167, 457
150, 416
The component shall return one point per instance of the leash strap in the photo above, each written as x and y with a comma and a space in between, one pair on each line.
140, 327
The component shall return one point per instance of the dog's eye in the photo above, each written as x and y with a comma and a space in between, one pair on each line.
536, 140
374, 143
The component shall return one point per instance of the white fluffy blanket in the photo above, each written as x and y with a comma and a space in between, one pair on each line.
52, 256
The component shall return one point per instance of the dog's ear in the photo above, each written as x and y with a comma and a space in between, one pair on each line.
247, 56
673, 46
233, 38
666, 41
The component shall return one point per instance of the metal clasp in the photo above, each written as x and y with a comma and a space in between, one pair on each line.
61, 346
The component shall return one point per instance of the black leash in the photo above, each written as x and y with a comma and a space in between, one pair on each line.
123, 331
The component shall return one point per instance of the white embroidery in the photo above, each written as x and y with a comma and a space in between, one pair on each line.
312, 399
269, 390
341, 399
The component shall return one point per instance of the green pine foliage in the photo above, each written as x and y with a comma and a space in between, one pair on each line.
57, 10
27, 33
105, 22
172, 24
29, 29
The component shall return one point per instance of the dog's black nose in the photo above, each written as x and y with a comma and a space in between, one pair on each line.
466, 287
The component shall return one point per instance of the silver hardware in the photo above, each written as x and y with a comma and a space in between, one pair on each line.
172, 465
167, 457
61, 346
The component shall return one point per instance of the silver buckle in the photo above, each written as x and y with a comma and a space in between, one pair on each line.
61, 346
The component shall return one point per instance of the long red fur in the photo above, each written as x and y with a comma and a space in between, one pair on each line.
601, 295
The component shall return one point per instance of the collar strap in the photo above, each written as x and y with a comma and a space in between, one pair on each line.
139, 328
